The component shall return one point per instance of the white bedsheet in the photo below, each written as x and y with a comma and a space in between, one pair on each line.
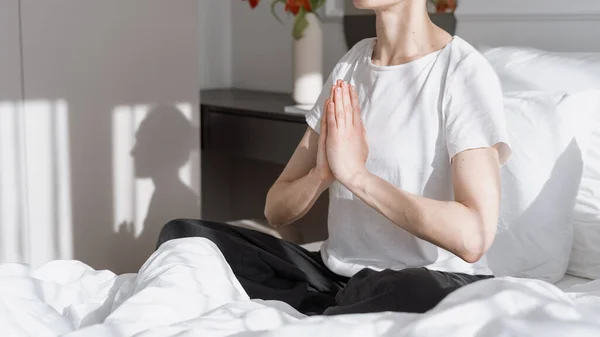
187, 289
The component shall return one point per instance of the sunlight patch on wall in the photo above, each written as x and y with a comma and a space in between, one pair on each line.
63, 176
39, 169
131, 196
11, 212
123, 179
185, 173
133, 191
48, 180
143, 187
35, 202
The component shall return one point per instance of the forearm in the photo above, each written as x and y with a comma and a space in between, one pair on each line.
290, 201
447, 224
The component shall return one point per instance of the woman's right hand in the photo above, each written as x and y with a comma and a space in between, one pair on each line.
322, 168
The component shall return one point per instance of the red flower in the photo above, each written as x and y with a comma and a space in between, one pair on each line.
444, 6
293, 6
253, 3
299, 8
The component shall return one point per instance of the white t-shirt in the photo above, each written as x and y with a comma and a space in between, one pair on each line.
418, 116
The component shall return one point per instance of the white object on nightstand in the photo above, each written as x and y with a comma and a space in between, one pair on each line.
308, 63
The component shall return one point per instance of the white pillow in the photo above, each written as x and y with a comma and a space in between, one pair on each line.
522, 69
532, 69
585, 256
540, 182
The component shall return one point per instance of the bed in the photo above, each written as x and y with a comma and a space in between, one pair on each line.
187, 289
173, 295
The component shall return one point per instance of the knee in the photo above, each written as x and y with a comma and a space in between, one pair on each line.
414, 278
173, 226
174, 229
417, 288
409, 290
183, 228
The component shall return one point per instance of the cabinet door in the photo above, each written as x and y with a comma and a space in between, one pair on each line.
250, 137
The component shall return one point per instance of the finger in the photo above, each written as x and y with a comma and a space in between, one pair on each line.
355, 105
324, 117
339, 107
348, 115
338, 83
331, 121
325, 106
332, 94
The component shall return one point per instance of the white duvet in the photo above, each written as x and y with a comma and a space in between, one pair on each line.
187, 289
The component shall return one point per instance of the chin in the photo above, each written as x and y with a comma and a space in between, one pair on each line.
376, 4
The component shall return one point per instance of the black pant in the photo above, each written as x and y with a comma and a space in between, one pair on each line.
273, 269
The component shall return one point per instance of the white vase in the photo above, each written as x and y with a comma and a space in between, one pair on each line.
308, 63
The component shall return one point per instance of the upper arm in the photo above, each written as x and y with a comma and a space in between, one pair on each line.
474, 109
303, 159
476, 138
476, 181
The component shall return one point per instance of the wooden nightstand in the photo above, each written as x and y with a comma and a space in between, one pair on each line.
246, 140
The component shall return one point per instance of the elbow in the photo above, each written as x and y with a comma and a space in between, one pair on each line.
271, 220
472, 256
270, 214
475, 245
473, 251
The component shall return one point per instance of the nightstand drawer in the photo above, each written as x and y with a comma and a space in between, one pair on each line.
250, 137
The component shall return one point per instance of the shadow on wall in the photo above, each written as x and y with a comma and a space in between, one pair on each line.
56, 186
69, 115
164, 142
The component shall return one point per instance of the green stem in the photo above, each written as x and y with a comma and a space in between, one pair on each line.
300, 24
273, 4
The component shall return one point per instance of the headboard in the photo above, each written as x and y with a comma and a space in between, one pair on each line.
555, 25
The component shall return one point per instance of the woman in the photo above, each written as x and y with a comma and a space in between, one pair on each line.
408, 137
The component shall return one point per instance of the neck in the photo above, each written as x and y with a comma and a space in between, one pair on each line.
404, 33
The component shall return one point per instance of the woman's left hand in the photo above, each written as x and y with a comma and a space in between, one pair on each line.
347, 148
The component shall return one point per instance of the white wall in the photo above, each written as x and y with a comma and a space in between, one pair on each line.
567, 26
215, 43
11, 247
528, 7
92, 69
262, 48
10, 64
262, 53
